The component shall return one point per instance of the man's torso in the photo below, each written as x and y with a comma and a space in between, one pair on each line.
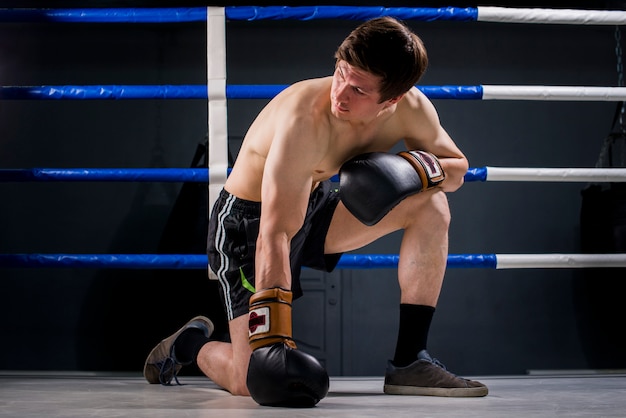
341, 141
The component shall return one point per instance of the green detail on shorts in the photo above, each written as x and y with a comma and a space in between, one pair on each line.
245, 283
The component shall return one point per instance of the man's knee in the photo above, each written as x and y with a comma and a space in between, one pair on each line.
429, 209
238, 384
240, 355
240, 389
441, 208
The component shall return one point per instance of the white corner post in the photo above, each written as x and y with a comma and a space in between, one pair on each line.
216, 90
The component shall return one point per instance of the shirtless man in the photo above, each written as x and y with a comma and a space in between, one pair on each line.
277, 212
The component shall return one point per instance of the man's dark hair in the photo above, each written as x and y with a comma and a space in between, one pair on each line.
387, 48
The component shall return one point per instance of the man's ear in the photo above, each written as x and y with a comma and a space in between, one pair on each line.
395, 100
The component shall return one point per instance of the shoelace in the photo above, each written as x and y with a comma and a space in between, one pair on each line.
167, 371
440, 364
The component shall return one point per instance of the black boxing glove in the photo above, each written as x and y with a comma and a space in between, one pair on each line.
372, 184
279, 374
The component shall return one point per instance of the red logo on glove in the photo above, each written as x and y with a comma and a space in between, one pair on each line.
255, 321
431, 166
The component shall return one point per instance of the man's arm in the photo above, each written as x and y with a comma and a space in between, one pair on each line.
452, 160
427, 134
285, 191
278, 373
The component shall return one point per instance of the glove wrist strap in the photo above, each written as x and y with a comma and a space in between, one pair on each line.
269, 320
427, 166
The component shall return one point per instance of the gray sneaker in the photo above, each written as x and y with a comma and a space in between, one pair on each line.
162, 365
428, 377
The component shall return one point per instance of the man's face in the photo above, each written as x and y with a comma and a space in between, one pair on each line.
354, 93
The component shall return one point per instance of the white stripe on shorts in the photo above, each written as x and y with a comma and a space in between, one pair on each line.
220, 237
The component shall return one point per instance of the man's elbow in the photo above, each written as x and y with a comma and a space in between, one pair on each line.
455, 177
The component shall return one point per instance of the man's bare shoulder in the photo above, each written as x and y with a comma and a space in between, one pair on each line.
415, 99
311, 84
415, 106
308, 91
305, 103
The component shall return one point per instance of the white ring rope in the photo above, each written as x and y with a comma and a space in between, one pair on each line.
617, 175
565, 93
551, 16
524, 261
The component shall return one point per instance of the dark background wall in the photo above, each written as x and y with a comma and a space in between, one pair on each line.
488, 321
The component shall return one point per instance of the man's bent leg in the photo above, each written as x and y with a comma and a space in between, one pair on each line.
424, 251
226, 364
423, 257
425, 219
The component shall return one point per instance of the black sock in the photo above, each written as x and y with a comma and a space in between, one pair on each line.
188, 345
413, 332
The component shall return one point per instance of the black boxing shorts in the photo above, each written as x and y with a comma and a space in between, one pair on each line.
233, 231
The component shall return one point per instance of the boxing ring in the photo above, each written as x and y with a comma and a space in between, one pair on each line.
217, 92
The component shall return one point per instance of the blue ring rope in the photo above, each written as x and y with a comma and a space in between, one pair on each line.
186, 261
427, 14
193, 91
106, 15
166, 175
247, 13
105, 174
476, 174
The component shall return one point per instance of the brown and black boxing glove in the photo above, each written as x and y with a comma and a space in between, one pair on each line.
372, 184
279, 374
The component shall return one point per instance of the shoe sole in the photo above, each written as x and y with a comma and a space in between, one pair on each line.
443, 392
150, 371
